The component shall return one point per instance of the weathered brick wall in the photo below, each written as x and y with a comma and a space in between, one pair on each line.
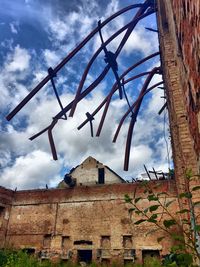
178, 72
6, 197
179, 36
187, 20
51, 221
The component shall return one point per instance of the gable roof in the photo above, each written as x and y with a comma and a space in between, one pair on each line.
115, 174
105, 166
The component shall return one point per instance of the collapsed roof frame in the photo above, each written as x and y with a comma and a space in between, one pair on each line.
144, 10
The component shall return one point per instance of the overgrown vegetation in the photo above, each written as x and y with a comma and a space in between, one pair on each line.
9, 258
181, 226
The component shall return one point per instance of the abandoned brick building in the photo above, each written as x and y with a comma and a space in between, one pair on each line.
90, 221
87, 220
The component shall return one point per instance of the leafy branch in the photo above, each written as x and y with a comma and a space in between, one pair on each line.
188, 228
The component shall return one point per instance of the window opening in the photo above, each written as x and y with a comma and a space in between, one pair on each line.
84, 256
101, 176
105, 242
127, 241
66, 242
47, 241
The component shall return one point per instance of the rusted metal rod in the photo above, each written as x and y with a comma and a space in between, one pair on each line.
128, 111
154, 171
121, 77
66, 59
147, 172
133, 118
152, 30
90, 118
107, 98
142, 9
110, 58
145, 9
86, 91
51, 141
90, 88
114, 88
106, 69
52, 75
162, 109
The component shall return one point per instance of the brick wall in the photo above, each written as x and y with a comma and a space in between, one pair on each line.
187, 21
180, 77
179, 36
50, 221
6, 197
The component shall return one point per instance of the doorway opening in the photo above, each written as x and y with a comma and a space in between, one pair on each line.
150, 254
84, 256
29, 251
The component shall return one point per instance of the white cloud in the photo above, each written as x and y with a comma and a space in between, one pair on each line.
14, 70
30, 171
111, 8
142, 41
51, 57
19, 60
60, 29
5, 157
13, 28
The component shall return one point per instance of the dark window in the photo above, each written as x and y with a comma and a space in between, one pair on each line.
83, 242
85, 256
150, 254
101, 176
2, 209
29, 251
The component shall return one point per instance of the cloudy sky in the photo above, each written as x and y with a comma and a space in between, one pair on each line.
36, 35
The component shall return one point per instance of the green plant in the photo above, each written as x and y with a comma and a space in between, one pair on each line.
160, 215
152, 262
3, 258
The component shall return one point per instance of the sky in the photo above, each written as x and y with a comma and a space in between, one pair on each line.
36, 35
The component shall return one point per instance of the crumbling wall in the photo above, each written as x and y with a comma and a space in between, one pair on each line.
6, 197
177, 77
187, 20
179, 36
61, 222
